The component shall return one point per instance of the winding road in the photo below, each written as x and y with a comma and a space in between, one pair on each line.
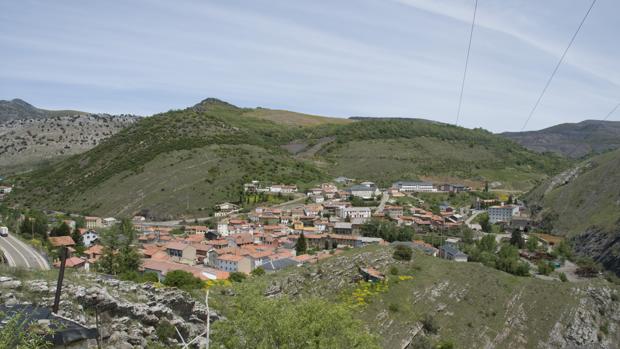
19, 254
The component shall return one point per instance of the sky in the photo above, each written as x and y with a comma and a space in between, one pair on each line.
383, 58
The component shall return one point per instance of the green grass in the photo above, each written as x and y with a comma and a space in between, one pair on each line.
473, 305
182, 162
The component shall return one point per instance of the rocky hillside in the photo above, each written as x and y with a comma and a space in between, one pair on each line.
182, 162
17, 109
468, 304
573, 140
584, 202
27, 142
130, 315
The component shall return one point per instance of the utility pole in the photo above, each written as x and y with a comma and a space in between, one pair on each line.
208, 318
61, 275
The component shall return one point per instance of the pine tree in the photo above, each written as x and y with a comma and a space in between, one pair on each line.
301, 245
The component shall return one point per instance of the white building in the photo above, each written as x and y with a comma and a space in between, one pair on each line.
354, 212
502, 213
366, 190
412, 187
90, 237
222, 228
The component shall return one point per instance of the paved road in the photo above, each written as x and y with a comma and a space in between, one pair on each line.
19, 254
384, 199
469, 220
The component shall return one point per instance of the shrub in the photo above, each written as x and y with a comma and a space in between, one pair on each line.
445, 344
544, 268
402, 253
421, 342
150, 276
183, 280
258, 271
394, 270
429, 324
237, 277
563, 277
393, 307
165, 331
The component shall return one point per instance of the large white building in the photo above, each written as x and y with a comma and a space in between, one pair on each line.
502, 213
354, 212
411, 187
366, 190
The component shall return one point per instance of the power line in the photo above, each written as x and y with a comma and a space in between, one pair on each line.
471, 34
611, 112
558, 65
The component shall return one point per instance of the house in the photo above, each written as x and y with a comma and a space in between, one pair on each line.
89, 237
4, 189
354, 212
412, 187
93, 253
196, 229
450, 252
161, 268
72, 262
394, 212
283, 188
181, 252
425, 247
277, 264
343, 228
343, 180
366, 191
502, 213
222, 228
93, 222
453, 188
58, 241
108, 222
234, 263
224, 209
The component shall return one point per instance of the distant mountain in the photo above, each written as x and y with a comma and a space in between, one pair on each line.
30, 136
584, 203
17, 109
182, 162
573, 140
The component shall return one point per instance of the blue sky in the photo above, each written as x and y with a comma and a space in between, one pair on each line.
342, 58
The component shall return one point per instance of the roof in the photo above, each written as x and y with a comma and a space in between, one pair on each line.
200, 272
343, 225
278, 264
230, 257
94, 249
412, 183
449, 249
176, 246
58, 241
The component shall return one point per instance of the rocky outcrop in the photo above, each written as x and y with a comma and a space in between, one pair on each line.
129, 313
603, 246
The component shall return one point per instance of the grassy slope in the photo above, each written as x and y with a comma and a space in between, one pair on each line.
386, 151
474, 306
590, 199
128, 171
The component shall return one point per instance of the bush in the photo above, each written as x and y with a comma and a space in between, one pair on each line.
402, 253
445, 345
237, 277
563, 277
393, 307
544, 268
421, 342
183, 280
394, 270
429, 324
258, 271
149, 276
165, 331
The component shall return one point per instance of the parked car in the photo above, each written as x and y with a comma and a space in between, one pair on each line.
4, 232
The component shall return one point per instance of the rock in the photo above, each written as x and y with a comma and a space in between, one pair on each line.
10, 284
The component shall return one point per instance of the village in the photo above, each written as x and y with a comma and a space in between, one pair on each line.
313, 225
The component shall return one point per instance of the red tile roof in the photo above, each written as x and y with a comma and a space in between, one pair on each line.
57, 241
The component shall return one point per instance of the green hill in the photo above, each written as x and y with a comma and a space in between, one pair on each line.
584, 202
182, 162
434, 300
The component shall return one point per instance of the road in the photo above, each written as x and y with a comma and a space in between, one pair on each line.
19, 254
384, 199
471, 218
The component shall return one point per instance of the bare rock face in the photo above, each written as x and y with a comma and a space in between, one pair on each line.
125, 319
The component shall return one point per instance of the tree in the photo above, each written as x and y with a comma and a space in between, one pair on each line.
516, 239
544, 267
258, 272
34, 226
488, 243
237, 276
79, 241
119, 252
61, 230
301, 245
532, 243
183, 280
402, 253
484, 222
